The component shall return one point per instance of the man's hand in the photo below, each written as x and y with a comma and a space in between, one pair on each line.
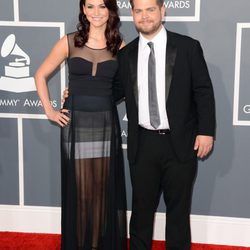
65, 95
203, 144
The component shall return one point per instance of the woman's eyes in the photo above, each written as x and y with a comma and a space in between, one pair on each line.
100, 6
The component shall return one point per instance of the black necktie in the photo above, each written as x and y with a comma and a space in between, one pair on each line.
152, 94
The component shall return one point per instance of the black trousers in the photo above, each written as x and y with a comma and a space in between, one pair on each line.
157, 170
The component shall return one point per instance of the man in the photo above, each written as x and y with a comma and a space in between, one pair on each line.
171, 121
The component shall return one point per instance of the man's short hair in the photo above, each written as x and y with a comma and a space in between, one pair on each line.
159, 3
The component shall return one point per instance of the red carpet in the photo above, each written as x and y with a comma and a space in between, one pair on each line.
28, 241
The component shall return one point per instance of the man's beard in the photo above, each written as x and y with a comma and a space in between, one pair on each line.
150, 31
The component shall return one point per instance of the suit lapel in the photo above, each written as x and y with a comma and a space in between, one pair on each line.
133, 59
171, 52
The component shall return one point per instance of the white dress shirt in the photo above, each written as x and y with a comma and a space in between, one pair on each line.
159, 41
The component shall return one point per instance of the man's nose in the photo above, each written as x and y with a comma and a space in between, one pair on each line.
144, 14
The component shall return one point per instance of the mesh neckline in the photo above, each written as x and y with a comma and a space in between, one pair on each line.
94, 48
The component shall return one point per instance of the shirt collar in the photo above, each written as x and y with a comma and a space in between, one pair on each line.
157, 40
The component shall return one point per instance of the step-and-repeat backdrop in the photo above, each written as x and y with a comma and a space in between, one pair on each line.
29, 143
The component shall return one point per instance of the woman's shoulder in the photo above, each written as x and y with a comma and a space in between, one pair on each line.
71, 35
71, 38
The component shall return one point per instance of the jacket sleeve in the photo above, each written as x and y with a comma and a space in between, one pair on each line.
203, 92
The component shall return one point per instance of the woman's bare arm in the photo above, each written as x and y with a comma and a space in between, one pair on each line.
57, 55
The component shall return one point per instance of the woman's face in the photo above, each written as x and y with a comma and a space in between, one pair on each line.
96, 12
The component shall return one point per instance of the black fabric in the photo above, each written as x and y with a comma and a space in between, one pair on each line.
93, 183
190, 109
190, 101
157, 170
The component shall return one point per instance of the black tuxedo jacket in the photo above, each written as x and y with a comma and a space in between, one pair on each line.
189, 94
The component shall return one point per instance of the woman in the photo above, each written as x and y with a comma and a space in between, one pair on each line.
93, 186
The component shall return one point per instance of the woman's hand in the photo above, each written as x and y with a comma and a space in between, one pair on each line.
59, 117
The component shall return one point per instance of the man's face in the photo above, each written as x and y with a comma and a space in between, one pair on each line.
147, 16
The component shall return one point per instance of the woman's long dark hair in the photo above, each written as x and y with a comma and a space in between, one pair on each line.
112, 33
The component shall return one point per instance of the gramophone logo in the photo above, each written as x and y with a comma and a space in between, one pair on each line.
17, 73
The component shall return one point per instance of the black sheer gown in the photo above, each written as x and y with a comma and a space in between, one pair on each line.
93, 185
